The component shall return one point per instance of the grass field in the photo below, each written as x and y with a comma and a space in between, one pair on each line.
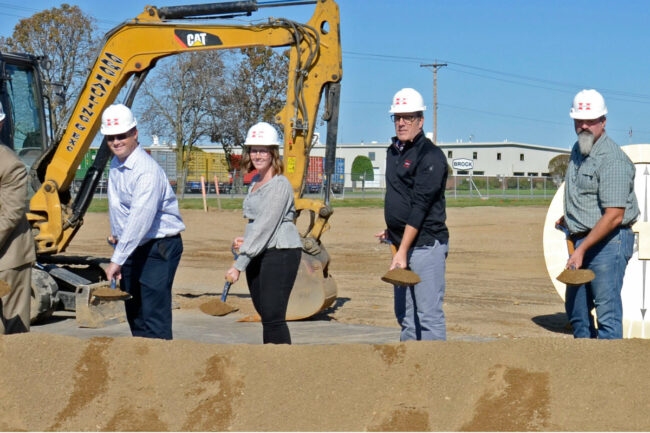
101, 204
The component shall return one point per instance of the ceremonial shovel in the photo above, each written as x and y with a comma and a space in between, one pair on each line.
573, 277
399, 276
218, 307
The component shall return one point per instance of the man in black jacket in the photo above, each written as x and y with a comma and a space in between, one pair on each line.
416, 174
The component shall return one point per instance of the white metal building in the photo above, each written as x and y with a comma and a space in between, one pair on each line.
487, 159
500, 159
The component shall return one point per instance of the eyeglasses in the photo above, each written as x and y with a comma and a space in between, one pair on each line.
408, 119
589, 122
262, 150
118, 137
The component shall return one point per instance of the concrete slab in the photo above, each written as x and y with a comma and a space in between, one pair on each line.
196, 326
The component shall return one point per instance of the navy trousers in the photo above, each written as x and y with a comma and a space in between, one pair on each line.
148, 275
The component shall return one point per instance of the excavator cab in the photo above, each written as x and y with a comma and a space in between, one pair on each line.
25, 129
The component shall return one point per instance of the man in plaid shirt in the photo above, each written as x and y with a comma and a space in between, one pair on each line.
599, 208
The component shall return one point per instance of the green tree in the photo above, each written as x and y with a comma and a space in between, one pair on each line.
64, 35
362, 169
557, 167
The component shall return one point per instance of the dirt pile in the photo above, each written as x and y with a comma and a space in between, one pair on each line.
62, 383
533, 377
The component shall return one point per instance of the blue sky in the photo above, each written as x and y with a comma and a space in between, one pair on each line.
513, 65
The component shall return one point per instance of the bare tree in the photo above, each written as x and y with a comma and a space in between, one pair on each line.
65, 36
213, 94
256, 92
177, 99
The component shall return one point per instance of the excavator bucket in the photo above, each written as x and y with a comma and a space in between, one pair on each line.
98, 311
314, 289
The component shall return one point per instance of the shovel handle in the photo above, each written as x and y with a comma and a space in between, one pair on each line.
224, 293
570, 246
226, 287
569, 242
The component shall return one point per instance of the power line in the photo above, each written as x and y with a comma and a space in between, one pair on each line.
569, 86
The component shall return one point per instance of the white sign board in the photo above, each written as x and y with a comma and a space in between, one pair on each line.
462, 164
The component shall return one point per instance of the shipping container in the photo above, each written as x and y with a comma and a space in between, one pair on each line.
197, 166
86, 162
217, 166
167, 160
338, 178
236, 163
314, 179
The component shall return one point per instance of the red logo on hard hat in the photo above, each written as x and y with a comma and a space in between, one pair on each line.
112, 122
397, 101
586, 107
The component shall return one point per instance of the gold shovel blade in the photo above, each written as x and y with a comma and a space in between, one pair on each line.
401, 277
576, 277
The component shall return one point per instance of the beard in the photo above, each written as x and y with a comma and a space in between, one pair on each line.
586, 142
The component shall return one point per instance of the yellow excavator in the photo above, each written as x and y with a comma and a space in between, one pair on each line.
129, 52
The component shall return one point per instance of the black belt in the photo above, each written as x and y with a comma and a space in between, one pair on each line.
576, 236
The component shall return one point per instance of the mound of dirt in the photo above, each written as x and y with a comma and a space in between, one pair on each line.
533, 376
59, 383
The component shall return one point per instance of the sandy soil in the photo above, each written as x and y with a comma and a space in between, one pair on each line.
497, 284
509, 365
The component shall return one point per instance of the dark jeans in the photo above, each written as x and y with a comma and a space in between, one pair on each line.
148, 275
270, 279
608, 259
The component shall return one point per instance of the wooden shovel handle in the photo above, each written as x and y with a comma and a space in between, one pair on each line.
569, 244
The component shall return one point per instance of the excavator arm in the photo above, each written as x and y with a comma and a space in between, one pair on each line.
132, 48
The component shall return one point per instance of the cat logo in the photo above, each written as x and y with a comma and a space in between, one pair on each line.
191, 39
195, 39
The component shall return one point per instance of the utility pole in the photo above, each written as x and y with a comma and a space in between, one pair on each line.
435, 67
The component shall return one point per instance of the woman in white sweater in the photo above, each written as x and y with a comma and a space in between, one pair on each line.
270, 249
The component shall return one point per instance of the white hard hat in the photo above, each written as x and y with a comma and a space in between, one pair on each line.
588, 104
2, 113
117, 119
407, 100
262, 134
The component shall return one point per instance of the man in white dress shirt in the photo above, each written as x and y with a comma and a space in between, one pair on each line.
145, 227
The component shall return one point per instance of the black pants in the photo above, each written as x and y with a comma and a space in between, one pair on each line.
270, 279
148, 275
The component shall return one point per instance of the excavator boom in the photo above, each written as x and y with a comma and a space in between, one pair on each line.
128, 53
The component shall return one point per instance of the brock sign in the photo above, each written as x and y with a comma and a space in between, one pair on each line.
462, 164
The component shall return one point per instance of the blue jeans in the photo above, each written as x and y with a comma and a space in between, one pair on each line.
419, 308
148, 275
608, 259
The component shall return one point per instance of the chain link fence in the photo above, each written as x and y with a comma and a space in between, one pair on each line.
457, 187
235, 183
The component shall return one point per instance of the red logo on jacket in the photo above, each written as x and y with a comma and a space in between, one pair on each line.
407, 163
